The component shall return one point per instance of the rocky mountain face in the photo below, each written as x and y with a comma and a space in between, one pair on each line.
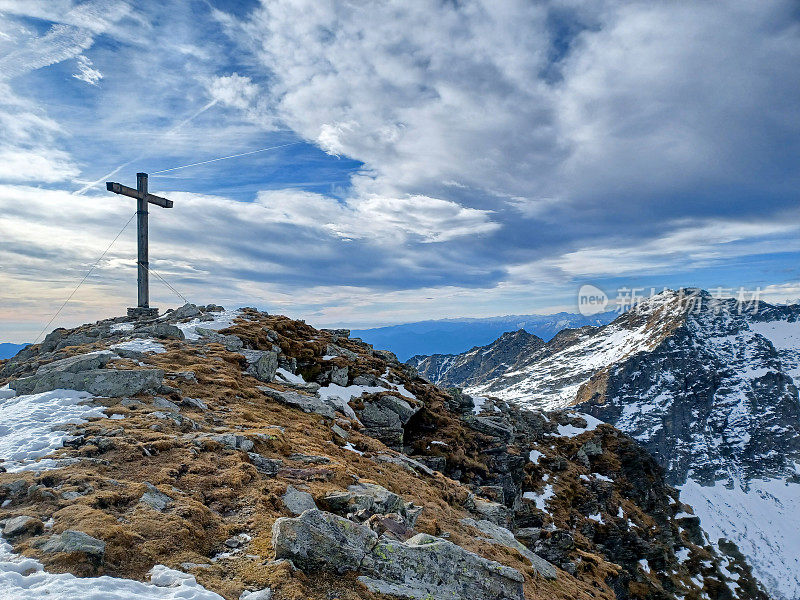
709, 387
480, 363
234, 454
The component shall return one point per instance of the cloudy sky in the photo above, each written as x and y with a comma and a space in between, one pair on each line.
426, 159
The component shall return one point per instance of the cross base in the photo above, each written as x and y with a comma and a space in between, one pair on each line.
141, 312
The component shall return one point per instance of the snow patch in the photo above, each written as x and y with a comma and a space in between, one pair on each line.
597, 517
26, 424
221, 320
140, 345
289, 376
478, 401
24, 578
338, 396
349, 446
541, 499
572, 431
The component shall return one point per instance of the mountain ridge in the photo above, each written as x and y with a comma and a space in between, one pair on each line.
247, 452
709, 389
448, 336
8, 350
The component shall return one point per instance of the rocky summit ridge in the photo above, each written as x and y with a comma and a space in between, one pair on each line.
238, 454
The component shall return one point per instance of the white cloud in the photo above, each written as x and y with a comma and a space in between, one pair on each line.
86, 72
682, 246
650, 99
73, 31
381, 219
43, 165
788, 293
234, 90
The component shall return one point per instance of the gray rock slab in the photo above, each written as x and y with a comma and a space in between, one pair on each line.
110, 383
231, 342
262, 364
298, 502
504, 537
20, 525
422, 567
234, 442
309, 404
75, 541
156, 499
265, 466
75, 364
319, 540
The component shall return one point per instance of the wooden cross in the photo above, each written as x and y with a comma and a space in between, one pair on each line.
143, 198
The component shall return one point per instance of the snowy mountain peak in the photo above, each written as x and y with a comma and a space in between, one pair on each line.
709, 386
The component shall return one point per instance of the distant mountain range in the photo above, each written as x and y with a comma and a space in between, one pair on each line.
9, 350
448, 336
709, 389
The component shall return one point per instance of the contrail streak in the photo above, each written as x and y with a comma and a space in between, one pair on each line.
170, 131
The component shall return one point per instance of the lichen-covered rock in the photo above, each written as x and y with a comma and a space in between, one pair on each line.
339, 375
75, 541
318, 540
495, 512
163, 331
187, 311
264, 465
234, 442
20, 525
231, 342
262, 364
385, 417
298, 502
156, 499
491, 426
422, 567
363, 500
430, 567
78, 363
110, 383
334, 350
386, 355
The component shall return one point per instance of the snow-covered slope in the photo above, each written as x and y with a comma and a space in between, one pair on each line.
710, 388
760, 518
551, 376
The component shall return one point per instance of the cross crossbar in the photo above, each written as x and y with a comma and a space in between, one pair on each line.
118, 188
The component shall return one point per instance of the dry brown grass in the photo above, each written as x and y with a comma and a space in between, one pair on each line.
218, 493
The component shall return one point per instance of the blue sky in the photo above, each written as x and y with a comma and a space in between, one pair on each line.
446, 159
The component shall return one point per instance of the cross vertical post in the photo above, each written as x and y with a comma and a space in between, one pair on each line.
143, 198
142, 245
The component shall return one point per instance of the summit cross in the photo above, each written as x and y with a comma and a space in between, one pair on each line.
143, 198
